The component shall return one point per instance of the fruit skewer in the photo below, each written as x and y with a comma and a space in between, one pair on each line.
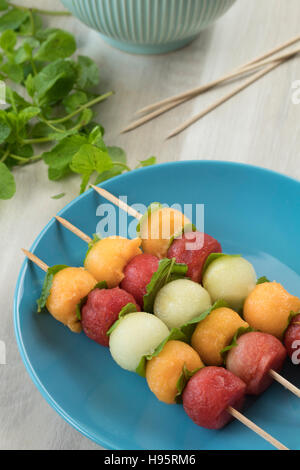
230, 410
254, 317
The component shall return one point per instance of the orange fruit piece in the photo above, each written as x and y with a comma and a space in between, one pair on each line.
216, 332
69, 286
108, 257
158, 228
268, 306
164, 370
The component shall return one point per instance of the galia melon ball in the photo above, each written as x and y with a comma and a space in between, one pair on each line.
180, 301
164, 370
137, 334
230, 278
158, 228
268, 308
69, 286
108, 257
216, 332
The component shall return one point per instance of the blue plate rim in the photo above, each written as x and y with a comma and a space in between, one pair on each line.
49, 399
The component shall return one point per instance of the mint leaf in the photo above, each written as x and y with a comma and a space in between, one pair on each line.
88, 73
129, 308
175, 334
117, 154
58, 196
168, 270
13, 71
26, 114
99, 285
241, 331
90, 158
74, 101
54, 81
91, 244
8, 40
12, 19
58, 45
7, 182
3, 5
262, 280
150, 161
41, 302
61, 155
5, 128
183, 380
188, 328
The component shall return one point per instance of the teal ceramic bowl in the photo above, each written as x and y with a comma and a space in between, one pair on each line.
148, 26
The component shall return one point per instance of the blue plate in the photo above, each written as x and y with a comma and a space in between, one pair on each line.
251, 211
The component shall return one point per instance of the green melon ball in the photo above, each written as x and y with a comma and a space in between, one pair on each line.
230, 278
180, 301
138, 334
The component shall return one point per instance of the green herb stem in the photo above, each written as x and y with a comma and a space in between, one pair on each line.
5, 155
42, 12
81, 108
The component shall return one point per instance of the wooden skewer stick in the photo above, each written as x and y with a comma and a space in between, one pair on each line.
171, 103
236, 414
73, 229
36, 260
223, 99
221, 79
121, 204
285, 383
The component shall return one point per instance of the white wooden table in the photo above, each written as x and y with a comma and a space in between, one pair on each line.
260, 126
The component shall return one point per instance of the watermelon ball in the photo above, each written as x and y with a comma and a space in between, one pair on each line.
101, 310
268, 308
138, 274
69, 286
255, 355
180, 301
137, 335
164, 370
192, 249
230, 278
209, 393
292, 340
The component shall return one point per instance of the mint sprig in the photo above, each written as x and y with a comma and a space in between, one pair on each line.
168, 270
99, 285
41, 62
41, 302
241, 331
129, 308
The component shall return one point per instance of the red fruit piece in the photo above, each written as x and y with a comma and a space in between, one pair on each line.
101, 310
292, 340
192, 249
209, 393
137, 275
253, 358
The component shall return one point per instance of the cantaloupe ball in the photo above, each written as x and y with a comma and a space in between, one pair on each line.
180, 301
268, 307
108, 258
231, 279
69, 286
158, 228
216, 332
138, 334
164, 370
